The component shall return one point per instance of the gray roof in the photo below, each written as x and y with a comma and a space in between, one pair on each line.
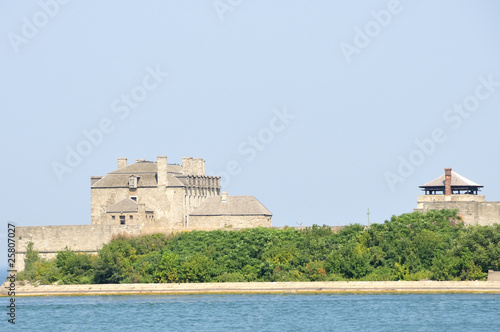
125, 205
457, 180
172, 181
150, 167
234, 206
121, 180
146, 172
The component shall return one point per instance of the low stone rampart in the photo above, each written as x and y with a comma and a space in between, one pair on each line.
223, 221
493, 275
48, 240
263, 287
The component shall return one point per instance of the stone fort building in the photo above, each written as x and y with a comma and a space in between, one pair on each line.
170, 195
147, 197
453, 191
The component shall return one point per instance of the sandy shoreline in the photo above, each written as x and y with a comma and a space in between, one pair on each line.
262, 287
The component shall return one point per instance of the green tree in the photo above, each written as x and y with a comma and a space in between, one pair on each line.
196, 268
75, 268
168, 269
32, 257
114, 262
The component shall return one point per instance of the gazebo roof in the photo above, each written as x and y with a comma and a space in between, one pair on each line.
457, 181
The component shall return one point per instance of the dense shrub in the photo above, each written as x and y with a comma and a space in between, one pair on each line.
412, 246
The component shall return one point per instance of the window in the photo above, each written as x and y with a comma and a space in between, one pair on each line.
131, 217
134, 198
113, 217
122, 220
132, 182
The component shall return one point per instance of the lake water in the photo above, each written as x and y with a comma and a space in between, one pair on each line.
284, 312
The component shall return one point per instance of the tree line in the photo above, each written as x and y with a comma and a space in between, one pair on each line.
413, 246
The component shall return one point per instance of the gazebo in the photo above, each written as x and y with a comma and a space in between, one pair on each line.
451, 183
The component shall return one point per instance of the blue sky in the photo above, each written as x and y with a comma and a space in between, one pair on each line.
320, 109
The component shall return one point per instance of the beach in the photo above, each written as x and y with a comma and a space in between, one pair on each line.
260, 287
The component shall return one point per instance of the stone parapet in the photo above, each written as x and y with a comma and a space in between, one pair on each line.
450, 198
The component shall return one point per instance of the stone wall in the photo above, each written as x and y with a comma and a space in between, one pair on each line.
493, 275
474, 209
218, 222
489, 213
449, 198
82, 238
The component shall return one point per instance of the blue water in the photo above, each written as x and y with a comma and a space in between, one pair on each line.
324, 312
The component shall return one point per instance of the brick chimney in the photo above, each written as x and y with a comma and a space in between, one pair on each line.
161, 162
122, 162
447, 181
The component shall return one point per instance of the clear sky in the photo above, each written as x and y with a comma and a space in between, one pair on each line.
320, 109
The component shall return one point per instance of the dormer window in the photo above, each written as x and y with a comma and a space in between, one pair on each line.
132, 182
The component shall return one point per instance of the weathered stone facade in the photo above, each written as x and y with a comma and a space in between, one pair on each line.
50, 239
168, 192
145, 198
218, 222
474, 209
